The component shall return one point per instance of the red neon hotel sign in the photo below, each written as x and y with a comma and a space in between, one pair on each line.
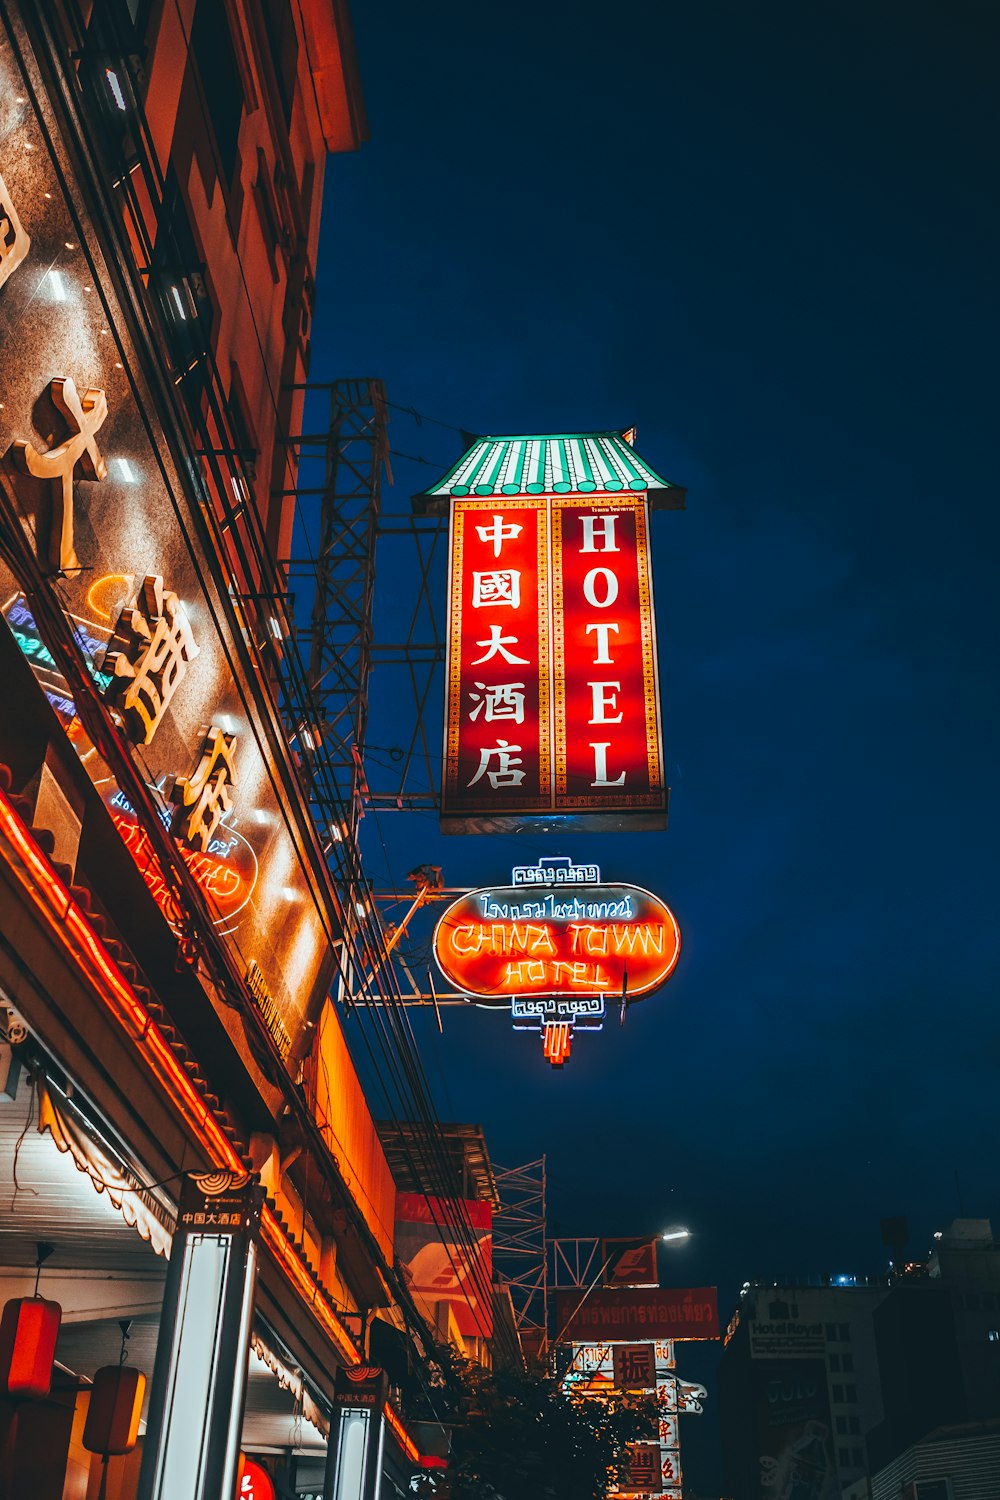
552, 691
557, 939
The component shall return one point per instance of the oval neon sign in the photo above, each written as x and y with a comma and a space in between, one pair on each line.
508, 941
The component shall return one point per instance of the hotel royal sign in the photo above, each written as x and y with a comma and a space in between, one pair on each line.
552, 712
559, 946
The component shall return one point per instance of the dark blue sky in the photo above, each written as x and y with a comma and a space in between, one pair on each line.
766, 235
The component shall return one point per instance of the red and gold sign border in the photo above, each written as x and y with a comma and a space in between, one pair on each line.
655, 796
462, 512
552, 727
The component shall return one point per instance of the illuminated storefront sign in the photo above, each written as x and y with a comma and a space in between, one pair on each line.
582, 941
226, 872
107, 504
552, 691
558, 946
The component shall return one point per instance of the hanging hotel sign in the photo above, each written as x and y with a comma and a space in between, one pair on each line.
552, 694
557, 945
589, 939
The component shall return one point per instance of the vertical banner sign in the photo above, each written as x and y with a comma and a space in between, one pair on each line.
498, 733
644, 1477
606, 713
199, 1380
553, 697
793, 1437
357, 1434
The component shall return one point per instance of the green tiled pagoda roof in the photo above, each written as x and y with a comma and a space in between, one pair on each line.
575, 463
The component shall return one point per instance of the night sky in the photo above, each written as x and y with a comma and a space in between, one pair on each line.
767, 236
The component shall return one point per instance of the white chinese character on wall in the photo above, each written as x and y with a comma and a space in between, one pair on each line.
148, 655
208, 793
85, 416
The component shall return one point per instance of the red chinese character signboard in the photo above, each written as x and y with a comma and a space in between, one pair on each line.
634, 1367
552, 693
644, 1475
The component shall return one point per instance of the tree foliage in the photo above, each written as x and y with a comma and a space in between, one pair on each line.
519, 1436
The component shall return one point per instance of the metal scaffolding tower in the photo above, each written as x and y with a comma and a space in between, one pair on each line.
333, 579
339, 524
519, 1249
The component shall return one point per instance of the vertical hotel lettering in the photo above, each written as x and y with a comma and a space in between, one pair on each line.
552, 713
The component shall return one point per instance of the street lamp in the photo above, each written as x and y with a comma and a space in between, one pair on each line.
676, 1234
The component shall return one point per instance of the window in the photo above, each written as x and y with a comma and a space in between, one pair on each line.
835, 1362
838, 1393
831, 1332
850, 1393
845, 1333
279, 24
854, 1426
928, 1489
858, 1458
844, 1458
212, 45
841, 1426
847, 1362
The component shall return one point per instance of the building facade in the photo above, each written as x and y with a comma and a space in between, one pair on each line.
181, 1122
875, 1390
798, 1388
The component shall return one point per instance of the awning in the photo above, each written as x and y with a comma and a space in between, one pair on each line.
580, 463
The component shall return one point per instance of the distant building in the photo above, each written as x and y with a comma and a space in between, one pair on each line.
950, 1463
869, 1391
938, 1343
799, 1387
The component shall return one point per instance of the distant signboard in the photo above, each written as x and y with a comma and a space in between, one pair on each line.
628, 1312
792, 1431
777, 1339
445, 1246
629, 1262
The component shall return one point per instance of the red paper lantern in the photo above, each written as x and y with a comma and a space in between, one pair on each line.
28, 1332
112, 1425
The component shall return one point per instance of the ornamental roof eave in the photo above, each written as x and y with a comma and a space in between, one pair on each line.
588, 463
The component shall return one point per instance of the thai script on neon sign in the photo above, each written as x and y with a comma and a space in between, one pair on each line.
595, 940
556, 870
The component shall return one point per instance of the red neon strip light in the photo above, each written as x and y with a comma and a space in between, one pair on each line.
409, 1447
556, 1037
67, 921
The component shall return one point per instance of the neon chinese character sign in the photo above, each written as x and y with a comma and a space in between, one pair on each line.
552, 704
